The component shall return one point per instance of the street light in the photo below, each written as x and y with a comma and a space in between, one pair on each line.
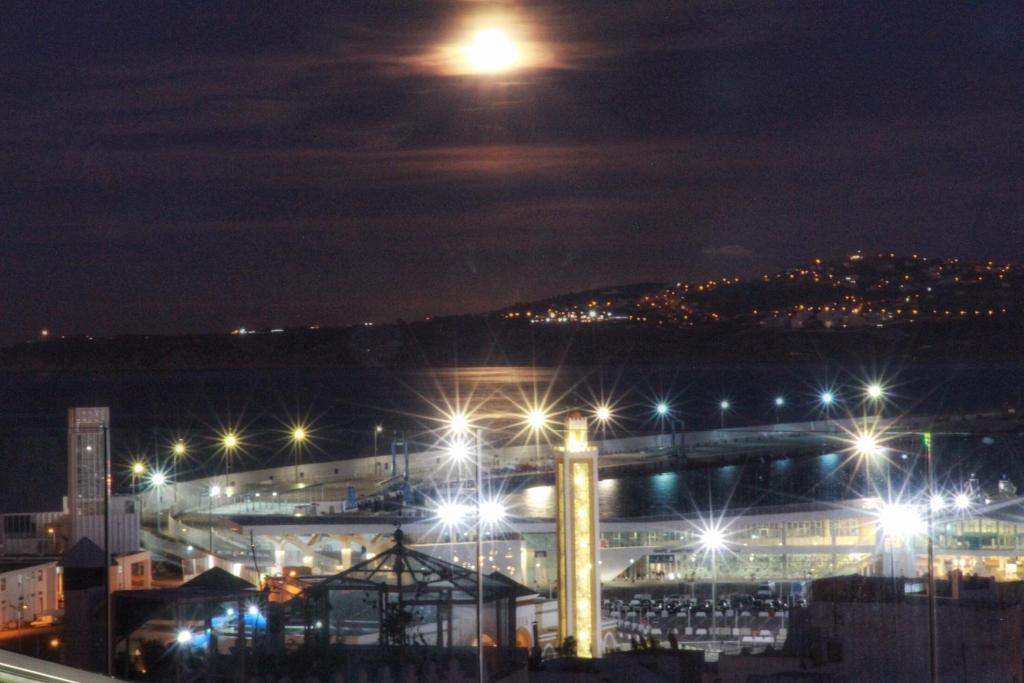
723, 408
780, 402
537, 419
603, 413
299, 435
229, 441
157, 481
661, 409
962, 502
874, 391
138, 470
214, 492
712, 541
178, 450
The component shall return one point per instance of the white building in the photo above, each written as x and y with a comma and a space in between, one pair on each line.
29, 589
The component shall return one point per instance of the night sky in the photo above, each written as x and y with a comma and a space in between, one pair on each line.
179, 167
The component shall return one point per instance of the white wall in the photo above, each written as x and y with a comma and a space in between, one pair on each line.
34, 586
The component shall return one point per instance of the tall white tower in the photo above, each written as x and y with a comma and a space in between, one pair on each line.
88, 472
579, 581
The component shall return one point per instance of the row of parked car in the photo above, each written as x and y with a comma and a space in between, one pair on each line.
644, 603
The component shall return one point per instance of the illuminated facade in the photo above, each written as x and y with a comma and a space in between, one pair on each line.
88, 470
577, 530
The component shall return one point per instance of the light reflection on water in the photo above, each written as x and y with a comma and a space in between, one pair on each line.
831, 477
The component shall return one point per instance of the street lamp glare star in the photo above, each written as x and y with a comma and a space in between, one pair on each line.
603, 413
712, 539
158, 479
937, 503
724, 405
459, 450
138, 468
450, 514
458, 423
179, 448
875, 391
866, 445
661, 408
492, 512
230, 440
537, 419
827, 398
962, 501
779, 401
299, 434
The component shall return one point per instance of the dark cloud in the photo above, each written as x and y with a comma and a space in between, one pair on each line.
173, 166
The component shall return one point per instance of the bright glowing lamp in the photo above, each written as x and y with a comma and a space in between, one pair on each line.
230, 440
492, 512
962, 501
458, 423
214, 491
827, 398
866, 445
537, 419
184, 637
900, 521
779, 401
179, 448
724, 405
299, 434
459, 450
450, 514
661, 408
253, 610
158, 479
491, 51
138, 468
603, 413
874, 391
712, 539
938, 503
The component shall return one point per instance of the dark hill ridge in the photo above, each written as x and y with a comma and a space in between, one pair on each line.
907, 308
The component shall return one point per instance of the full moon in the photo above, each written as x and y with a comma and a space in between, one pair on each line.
491, 51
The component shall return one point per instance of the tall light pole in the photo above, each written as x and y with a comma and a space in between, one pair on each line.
214, 492
458, 425
229, 442
723, 407
157, 481
933, 655
780, 403
537, 421
299, 435
377, 429
138, 470
712, 541
178, 450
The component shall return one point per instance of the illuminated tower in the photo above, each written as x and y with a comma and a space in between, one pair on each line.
88, 468
579, 593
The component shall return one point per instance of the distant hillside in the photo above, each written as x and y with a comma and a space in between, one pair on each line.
899, 308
